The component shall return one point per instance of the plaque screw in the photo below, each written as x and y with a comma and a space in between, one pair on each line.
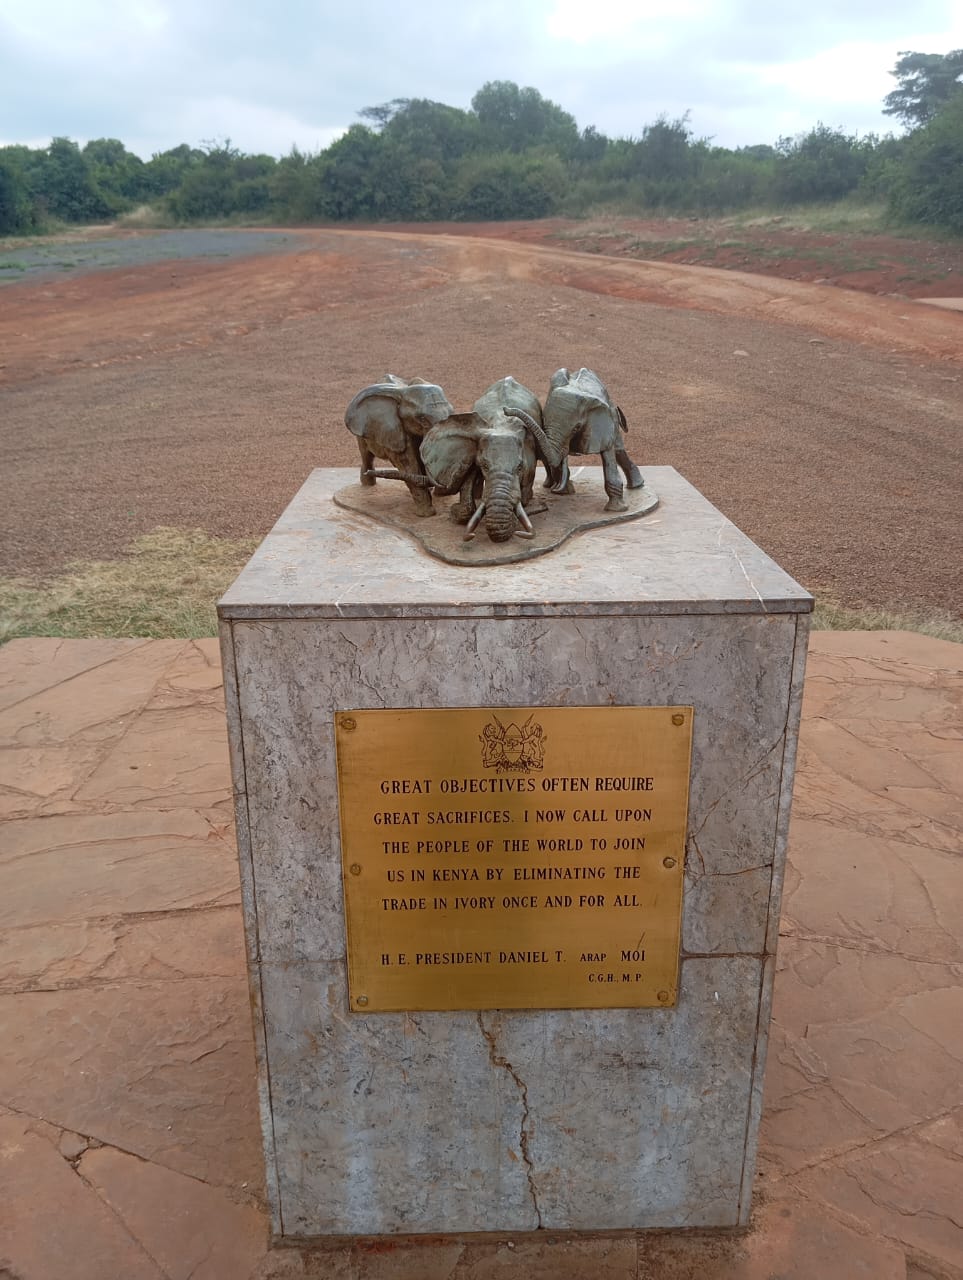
678, 719
355, 868
666, 862
348, 722
663, 997
363, 1000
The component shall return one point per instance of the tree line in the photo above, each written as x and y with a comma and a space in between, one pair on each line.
513, 154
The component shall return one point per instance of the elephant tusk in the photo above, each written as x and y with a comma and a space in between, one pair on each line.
524, 533
473, 522
523, 516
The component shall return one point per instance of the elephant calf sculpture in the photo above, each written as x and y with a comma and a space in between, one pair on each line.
580, 417
390, 418
489, 459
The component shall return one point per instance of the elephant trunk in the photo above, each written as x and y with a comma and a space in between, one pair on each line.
409, 477
549, 451
501, 518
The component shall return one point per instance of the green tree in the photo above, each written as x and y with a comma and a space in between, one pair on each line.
209, 189
383, 112
928, 185
166, 170
733, 179
420, 148
591, 147
18, 211
821, 165
665, 150
345, 177
290, 186
515, 119
64, 182
927, 81
117, 172
433, 130
492, 187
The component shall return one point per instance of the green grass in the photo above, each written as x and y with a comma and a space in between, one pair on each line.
165, 586
167, 583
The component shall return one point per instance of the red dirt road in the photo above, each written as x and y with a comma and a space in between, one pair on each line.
824, 421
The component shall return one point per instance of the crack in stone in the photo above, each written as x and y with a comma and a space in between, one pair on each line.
119, 1218
793, 933
499, 1060
839, 1156
752, 586
96, 1143
131, 917
78, 675
757, 767
859, 821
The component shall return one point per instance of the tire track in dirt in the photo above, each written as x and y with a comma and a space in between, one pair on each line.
894, 324
129, 314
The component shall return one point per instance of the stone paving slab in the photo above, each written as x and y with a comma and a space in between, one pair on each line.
129, 1143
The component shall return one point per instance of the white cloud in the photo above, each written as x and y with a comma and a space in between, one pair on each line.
251, 127
627, 21
156, 73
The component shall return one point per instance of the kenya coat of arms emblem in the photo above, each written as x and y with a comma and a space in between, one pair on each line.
508, 748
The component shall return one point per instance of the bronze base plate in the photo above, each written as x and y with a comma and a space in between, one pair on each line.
389, 502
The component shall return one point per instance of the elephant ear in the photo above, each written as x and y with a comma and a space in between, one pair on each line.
564, 415
378, 403
449, 451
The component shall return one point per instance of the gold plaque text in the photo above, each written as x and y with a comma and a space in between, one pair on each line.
513, 858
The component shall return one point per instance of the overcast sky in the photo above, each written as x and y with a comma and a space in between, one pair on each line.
156, 73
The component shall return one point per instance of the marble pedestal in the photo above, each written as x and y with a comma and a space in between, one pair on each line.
496, 1121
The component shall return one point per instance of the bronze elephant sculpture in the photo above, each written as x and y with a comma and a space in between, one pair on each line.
581, 417
489, 459
390, 418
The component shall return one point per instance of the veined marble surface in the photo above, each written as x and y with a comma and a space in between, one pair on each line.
321, 560
397, 1123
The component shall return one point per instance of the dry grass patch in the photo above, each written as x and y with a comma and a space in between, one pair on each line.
166, 586
168, 582
830, 615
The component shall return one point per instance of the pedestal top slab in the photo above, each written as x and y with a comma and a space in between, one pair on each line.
320, 560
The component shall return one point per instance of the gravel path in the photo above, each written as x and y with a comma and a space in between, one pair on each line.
44, 259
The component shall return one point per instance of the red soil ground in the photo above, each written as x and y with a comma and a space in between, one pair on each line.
823, 420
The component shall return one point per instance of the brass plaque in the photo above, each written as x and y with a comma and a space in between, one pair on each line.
513, 858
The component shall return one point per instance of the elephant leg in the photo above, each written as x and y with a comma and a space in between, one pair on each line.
613, 482
367, 461
462, 511
633, 476
410, 462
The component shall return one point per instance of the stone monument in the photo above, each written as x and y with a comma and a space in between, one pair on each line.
512, 843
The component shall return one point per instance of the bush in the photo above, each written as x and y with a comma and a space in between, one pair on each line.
822, 165
928, 186
18, 212
495, 187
